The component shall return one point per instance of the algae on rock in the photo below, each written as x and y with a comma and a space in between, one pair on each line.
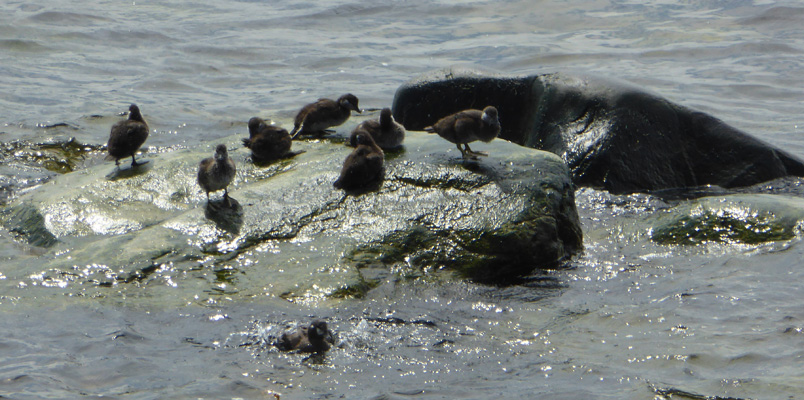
737, 219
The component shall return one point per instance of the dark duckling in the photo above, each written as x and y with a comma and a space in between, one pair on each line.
266, 142
363, 166
316, 338
127, 137
387, 133
315, 118
217, 172
467, 126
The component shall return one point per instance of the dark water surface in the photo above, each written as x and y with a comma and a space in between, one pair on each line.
627, 319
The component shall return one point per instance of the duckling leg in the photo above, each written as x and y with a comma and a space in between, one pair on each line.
467, 154
463, 153
134, 162
226, 197
475, 153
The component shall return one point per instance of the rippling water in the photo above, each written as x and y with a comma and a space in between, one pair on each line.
627, 319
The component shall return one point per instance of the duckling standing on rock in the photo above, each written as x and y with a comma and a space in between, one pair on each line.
387, 133
127, 137
216, 173
363, 166
315, 118
267, 142
467, 126
316, 338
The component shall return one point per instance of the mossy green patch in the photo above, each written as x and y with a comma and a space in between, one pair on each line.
724, 226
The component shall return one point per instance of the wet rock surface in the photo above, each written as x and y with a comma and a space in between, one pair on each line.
291, 232
731, 219
612, 135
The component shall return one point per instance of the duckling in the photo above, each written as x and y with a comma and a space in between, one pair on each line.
387, 133
127, 136
363, 166
315, 118
266, 142
467, 126
217, 172
316, 338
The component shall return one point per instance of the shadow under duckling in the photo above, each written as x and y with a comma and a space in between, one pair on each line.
387, 133
315, 338
363, 167
467, 126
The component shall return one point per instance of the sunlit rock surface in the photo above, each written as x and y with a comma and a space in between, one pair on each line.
612, 135
289, 233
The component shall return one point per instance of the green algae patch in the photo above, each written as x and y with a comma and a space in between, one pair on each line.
59, 156
736, 219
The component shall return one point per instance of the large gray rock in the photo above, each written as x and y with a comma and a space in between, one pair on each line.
613, 136
291, 232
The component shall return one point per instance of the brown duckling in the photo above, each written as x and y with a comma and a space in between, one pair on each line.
315, 118
467, 126
266, 142
315, 338
387, 133
217, 172
127, 137
363, 166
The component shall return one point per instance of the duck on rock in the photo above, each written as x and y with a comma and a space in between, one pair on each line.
217, 172
467, 126
266, 142
387, 133
363, 167
127, 136
315, 118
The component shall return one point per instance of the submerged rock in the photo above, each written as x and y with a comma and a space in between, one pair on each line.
732, 219
612, 135
291, 232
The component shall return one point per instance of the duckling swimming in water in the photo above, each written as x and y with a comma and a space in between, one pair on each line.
315, 338
467, 126
266, 142
363, 166
315, 118
127, 136
387, 133
217, 172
